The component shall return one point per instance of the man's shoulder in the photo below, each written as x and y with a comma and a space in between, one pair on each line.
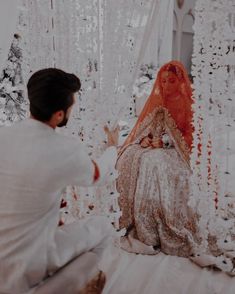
67, 143
8, 129
68, 138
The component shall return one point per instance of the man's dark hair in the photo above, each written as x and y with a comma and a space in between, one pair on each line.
51, 90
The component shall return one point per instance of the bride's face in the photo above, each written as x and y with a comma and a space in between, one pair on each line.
170, 83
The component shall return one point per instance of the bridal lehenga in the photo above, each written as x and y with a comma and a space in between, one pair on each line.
154, 188
154, 182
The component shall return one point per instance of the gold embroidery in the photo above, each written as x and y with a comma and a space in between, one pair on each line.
154, 188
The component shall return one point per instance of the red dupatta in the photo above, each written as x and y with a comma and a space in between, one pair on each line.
157, 99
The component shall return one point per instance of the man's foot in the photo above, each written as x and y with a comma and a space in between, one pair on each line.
95, 286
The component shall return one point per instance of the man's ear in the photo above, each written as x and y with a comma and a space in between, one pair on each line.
59, 116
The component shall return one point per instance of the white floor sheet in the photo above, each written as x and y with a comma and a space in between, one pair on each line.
129, 273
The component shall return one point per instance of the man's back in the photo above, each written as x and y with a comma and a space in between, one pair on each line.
35, 164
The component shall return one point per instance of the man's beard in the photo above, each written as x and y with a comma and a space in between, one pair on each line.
63, 123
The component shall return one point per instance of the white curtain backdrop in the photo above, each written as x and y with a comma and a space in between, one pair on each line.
156, 47
8, 19
213, 156
157, 43
104, 42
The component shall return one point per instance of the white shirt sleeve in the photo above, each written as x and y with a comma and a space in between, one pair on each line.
85, 172
80, 169
106, 164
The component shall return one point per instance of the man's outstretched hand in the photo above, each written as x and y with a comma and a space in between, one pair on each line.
112, 135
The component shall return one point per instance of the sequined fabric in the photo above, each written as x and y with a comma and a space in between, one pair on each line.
154, 189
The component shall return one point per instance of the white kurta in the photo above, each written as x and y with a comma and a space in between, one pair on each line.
36, 163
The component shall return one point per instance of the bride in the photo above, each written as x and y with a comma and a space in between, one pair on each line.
154, 178
154, 170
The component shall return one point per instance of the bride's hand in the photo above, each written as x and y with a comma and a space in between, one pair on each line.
146, 142
157, 143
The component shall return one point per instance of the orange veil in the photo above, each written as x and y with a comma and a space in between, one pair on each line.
156, 99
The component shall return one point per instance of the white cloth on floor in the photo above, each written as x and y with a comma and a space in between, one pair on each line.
130, 273
36, 163
71, 278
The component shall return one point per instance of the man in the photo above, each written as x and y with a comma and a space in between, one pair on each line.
36, 163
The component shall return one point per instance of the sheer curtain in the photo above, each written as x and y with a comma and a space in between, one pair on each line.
213, 163
8, 20
104, 42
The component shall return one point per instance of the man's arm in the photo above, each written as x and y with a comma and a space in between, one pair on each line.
87, 172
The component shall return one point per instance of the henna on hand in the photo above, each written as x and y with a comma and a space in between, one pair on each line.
157, 143
145, 142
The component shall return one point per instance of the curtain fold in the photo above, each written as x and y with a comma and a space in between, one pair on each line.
8, 20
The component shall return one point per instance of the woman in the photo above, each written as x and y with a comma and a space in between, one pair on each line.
154, 170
